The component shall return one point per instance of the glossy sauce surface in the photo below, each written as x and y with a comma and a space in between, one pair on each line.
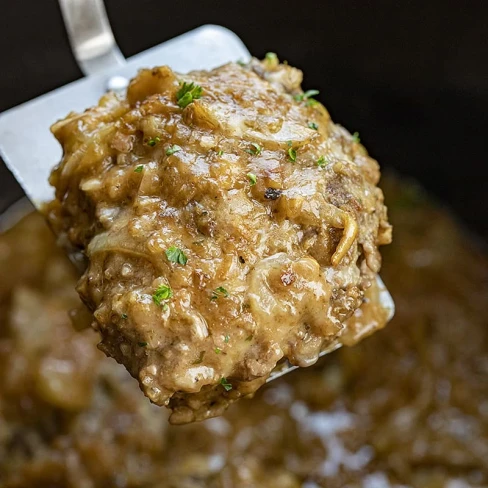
223, 233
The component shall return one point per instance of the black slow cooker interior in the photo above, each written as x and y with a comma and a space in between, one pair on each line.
411, 77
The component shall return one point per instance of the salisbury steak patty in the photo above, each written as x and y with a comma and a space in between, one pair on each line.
228, 223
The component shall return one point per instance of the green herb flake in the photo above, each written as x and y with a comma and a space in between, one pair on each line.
255, 150
163, 292
355, 137
311, 102
217, 350
172, 149
176, 255
227, 339
310, 93
300, 97
219, 292
220, 153
252, 178
240, 62
227, 386
142, 344
139, 169
153, 141
200, 358
271, 59
313, 125
249, 338
187, 93
124, 316
292, 154
322, 162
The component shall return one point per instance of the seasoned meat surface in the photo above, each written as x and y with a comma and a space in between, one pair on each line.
228, 224
406, 407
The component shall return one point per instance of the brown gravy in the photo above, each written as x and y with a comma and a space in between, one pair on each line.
406, 407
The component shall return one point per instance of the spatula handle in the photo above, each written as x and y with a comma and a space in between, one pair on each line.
91, 37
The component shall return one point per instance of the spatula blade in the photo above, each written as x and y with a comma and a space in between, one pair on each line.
28, 148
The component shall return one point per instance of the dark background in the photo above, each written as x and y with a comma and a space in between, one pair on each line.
410, 76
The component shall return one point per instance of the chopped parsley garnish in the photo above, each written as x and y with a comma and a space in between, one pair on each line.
355, 137
219, 292
256, 149
153, 141
163, 292
310, 93
272, 193
271, 59
227, 386
306, 95
187, 93
313, 125
142, 344
321, 162
124, 316
217, 350
252, 178
172, 149
240, 62
176, 255
249, 338
292, 154
311, 102
220, 153
227, 339
139, 169
200, 358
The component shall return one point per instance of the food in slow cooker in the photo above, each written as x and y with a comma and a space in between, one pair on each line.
228, 224
405, 407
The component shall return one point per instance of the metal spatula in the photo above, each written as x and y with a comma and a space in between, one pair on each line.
26, 144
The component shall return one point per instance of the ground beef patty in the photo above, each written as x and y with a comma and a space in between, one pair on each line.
227, 222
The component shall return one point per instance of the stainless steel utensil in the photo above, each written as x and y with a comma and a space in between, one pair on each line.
26, 144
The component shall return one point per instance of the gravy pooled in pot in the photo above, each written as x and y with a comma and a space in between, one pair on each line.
405, 407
